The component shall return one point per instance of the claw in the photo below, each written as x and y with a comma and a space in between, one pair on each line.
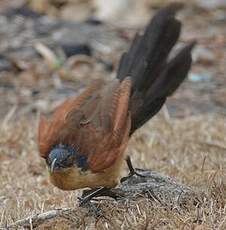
132, 171
89, 195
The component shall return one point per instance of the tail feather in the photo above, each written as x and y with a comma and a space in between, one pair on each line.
143, 114
150, 50
154, 77
173, 74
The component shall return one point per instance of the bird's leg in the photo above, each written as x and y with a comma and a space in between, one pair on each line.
88, 195
132, 170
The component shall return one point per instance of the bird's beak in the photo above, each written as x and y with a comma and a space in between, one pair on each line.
53, 165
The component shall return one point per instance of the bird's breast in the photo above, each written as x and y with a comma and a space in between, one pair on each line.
74, 178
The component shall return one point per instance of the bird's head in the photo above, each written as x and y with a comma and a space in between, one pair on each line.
62, 157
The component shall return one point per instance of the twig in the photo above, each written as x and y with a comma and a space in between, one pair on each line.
9, 116
50, 57
214, 144
38, 219
158, 188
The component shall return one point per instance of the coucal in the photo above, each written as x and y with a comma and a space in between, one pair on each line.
84, 140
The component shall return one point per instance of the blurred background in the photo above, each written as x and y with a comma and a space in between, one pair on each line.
48, 48
51, 49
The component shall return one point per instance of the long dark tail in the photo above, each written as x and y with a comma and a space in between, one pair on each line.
154, 76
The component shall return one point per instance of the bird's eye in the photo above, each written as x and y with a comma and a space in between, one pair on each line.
68, 160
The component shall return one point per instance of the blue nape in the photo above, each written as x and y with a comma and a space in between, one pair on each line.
67, 156
81, 161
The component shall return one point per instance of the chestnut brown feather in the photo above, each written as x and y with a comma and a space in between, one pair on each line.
88, 133
94, 124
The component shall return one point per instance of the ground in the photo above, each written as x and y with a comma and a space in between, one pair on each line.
186, 140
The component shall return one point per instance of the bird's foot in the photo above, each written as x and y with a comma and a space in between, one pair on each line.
93, 208
85, 201
88, 195
132, 171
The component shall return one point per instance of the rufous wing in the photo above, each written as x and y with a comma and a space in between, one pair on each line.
42, 134
100, 124
54, 130
114, 135
96, 124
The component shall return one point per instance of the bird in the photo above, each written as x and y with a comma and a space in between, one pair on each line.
84, 140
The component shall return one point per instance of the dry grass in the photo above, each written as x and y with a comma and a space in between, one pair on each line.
191, 149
